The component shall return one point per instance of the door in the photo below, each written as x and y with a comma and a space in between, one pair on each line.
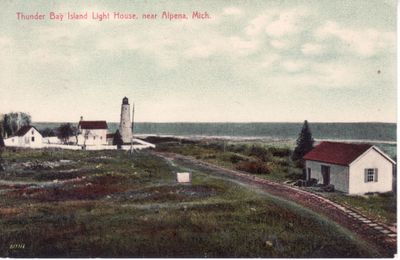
326, 174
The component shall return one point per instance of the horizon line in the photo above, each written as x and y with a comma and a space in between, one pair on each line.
232, 122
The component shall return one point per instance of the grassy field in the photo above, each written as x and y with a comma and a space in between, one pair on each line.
112, 204
271, 160
379, 206
267, 161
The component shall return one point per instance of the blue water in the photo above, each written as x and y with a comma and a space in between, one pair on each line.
342, 131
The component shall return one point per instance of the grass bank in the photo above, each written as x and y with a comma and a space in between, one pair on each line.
121, 205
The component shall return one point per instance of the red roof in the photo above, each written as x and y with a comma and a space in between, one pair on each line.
93, 125
110, 136
23, 130
336, 153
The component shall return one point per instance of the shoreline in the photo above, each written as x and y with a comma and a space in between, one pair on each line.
260, 138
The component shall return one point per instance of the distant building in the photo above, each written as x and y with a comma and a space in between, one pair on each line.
92, 132
351, 168
125, 124
26, 136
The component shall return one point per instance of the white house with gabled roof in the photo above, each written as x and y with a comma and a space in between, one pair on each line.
92, 133
26, 136
351, 168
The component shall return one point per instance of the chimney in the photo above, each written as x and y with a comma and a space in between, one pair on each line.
81, 118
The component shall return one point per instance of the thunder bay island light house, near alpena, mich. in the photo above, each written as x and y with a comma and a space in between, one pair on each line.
95, 133
90, 135
351, 168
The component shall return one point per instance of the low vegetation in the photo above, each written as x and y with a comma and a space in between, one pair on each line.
378, 206
113, 204
274, 162
270, 162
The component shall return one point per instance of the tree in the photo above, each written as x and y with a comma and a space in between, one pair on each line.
304, 143
2, 132
47, 132
1, 152
13, 121
1, 142
65, 131
117, 140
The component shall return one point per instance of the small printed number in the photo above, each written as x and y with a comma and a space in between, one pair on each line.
17, 246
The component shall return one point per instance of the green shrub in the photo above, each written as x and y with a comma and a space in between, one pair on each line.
285, 162
279, 152
234, 158
259, 152
257, 167
237, 148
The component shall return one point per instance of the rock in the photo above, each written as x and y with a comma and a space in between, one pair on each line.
268, 243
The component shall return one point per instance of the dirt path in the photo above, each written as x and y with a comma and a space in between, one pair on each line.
382, 236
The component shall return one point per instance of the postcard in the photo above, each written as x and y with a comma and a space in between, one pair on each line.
198, 129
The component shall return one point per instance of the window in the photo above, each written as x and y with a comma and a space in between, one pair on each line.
101, 138
94, 137
32, 132
308, 173
33, 139
371, 175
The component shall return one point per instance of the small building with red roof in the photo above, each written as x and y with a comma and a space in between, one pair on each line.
92, 132
351, 168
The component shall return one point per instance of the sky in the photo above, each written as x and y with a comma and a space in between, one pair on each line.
252, 61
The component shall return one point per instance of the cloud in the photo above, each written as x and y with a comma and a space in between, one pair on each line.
329, 75
257, 25
311, 49
270, 60
241, 46
217, 45
365, 42
277, 22
337, 74
280, 44
286, 22
48, 56
293, 65
119, 42
232, 11
5, 42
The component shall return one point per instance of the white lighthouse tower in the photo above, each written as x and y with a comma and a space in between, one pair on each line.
125, 124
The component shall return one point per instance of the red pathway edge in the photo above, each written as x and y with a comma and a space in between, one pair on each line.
379, 235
